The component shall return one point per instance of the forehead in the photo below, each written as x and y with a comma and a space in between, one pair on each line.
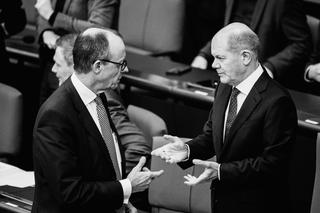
219, 45
58, 55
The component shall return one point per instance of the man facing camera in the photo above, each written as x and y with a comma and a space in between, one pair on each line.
78, 162
250, 129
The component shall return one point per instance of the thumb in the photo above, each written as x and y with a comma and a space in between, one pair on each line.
155, 174
141, 163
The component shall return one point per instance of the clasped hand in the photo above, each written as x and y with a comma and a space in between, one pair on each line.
141, 177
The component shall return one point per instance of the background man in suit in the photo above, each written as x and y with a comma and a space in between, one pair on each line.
250, 129
283, 32
59, 17
78, 162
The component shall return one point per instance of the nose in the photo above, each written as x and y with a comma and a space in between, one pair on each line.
126, 69
53, 69
215, 64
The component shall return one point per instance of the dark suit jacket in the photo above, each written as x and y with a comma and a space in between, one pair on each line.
284, 35
254, 156
73, 169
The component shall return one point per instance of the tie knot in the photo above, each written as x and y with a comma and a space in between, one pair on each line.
98, 100
235, 92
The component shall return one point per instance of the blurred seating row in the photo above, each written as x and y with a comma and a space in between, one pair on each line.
149, 27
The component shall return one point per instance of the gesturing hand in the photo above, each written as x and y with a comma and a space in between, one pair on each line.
140, 180
210, 172
173, 152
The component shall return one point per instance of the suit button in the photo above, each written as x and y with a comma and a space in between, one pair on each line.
216, 201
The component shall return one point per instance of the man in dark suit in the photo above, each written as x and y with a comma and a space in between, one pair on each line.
131, 138
78, 162
250, 129
283, 32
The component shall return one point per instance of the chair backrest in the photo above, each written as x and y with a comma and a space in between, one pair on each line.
149, 123
315, 204
314, 24
31, 11
10, 122
152, 26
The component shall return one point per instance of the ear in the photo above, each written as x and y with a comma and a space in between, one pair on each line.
246, 57
97, 66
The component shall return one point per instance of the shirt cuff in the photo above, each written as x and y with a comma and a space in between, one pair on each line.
127, 190
219, 171
306, 73
188, 153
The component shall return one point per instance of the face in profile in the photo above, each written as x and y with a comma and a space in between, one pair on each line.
226, 62
112, 73
61, 68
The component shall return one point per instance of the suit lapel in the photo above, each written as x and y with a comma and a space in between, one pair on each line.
229, 7
249, 105
85, 117
218, 113
257, 14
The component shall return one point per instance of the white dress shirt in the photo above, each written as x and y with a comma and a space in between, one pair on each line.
88, 97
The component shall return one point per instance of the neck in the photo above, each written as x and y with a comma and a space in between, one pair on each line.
87, 81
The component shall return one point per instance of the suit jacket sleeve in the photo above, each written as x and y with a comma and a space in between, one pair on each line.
57, 161
131, 137
201, 147
279, 128
101, 13
297, 32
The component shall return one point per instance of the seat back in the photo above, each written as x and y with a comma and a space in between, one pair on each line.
149, 123
31, 11
315, 204
152, 26
10, 122
314, 24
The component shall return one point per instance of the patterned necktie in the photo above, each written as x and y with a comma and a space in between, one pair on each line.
107, 134
232, 113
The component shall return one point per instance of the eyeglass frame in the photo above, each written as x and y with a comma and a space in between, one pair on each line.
122, 64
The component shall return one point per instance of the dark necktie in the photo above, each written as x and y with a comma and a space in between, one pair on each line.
232, 113
107, 134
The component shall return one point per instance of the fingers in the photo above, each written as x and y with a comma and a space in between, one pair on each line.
171, 138
141, 163
154, 174
191, 180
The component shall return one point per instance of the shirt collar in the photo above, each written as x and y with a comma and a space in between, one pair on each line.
246, 85
86, 95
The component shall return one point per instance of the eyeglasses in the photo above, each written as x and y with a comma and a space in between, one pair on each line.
122, 64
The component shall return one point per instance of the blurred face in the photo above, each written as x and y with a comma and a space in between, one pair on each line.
61, 67
228, 64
